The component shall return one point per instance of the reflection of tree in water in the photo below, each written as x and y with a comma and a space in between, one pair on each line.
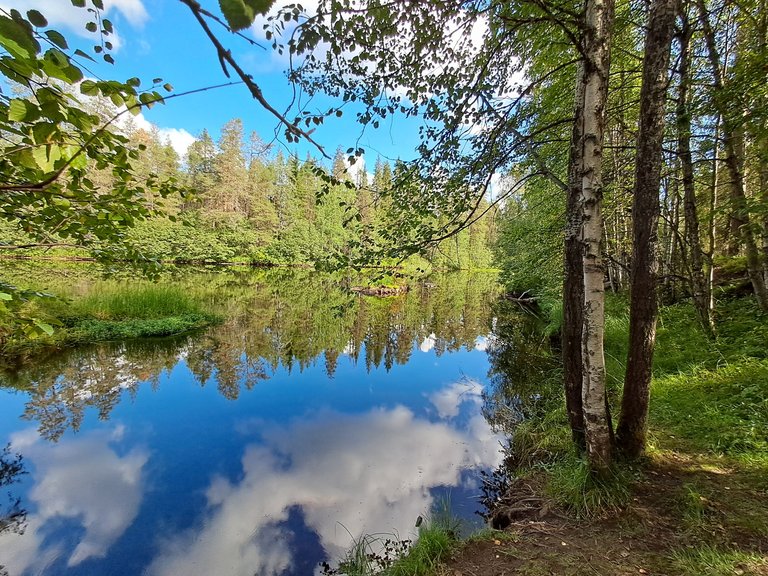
97, 376
523, 368
283, 319
13, 517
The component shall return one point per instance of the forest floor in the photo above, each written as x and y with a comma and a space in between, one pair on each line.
689, 515
696, 506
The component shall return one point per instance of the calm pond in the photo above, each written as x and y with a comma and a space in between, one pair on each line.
263, 445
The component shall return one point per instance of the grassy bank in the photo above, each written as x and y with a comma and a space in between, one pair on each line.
77, 309
697, 504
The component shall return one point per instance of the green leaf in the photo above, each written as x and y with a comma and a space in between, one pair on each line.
17, 39
82, 54
260, 6
58, 65
78, 3
57, 38
47, 328
42, 132
117, 99
37, 19
91, 27
99, 4
5, 296
239, 15
89, 88
46, 156
18, 110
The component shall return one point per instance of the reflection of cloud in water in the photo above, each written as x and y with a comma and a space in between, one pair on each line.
428, 343
448, 401
482, 343
82, 479
350, 474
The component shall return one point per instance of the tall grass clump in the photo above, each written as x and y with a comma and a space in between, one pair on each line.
126, 301
437, 538
388, 555
574, 487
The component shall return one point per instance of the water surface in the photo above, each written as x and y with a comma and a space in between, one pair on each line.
263, 445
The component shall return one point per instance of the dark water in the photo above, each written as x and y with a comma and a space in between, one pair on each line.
264, 445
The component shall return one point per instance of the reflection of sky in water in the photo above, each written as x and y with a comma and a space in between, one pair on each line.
184, 481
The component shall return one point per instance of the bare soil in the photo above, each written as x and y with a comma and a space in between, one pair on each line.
681, 504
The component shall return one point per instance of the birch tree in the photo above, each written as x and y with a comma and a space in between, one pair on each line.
592, 91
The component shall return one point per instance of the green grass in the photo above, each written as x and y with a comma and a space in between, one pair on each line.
572, 485
721, 411
388, 555
707, 560
89, 330
123, 311
708, 396
435, 543
112, 310
130, 301
694, 507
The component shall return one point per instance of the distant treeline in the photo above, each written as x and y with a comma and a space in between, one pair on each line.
248, 203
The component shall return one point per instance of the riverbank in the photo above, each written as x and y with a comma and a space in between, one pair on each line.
696, 505
54, 305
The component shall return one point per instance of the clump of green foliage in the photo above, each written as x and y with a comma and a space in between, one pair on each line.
113, 311
573, 486
130, 301
391, 556
436, 541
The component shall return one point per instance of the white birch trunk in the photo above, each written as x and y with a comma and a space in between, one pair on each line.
597, 37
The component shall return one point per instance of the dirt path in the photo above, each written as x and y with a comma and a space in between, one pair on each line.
689, 516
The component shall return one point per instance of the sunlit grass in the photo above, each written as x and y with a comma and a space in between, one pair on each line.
389, 555
707, 560
127, 301
723, 411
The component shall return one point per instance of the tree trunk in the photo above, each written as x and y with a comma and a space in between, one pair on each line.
645, 209
573, 286
599, 15
764, 198
700, 287
732, 163
712, 223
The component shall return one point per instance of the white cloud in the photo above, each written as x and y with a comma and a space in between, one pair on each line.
81, 479
356, 170
350, 475
448, 401
179, 138
428, 343
61, 14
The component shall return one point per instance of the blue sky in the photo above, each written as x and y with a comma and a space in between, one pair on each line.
160, 38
